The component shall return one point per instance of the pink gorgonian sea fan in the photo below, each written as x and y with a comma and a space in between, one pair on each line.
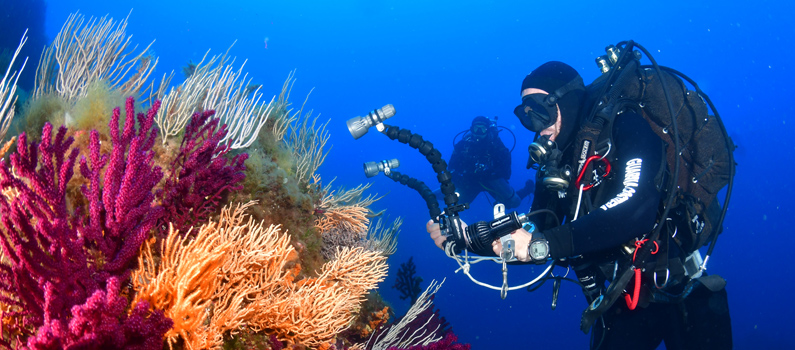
200, 175
54, 259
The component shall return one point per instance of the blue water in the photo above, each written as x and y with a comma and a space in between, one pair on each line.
441, 63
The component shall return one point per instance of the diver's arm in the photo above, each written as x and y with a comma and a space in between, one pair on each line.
633, 198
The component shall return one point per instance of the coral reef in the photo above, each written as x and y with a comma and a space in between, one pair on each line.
102, 322
200, 174
8, 88
185, 234
54, 258
374, 314
422, 328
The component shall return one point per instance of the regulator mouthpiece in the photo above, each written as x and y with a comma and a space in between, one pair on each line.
539, 150
358, 126
373, 168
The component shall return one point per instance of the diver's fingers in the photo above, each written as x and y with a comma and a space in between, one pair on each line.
439, 241
435, 233
496, 246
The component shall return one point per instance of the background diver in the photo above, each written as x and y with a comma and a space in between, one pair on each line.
482, 163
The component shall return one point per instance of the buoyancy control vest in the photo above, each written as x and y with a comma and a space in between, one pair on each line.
705, 161
698, 155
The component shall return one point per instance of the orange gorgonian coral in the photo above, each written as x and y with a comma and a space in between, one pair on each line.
348, 217
184, 281
314, 310
232, 277
344, 209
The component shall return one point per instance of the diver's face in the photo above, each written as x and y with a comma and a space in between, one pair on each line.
479, 131
553, 130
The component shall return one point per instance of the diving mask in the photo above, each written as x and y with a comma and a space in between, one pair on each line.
535, 114
479, 130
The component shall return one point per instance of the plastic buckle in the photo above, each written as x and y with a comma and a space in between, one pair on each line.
499, 210
694, 265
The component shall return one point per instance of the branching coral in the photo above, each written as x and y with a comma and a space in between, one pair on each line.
238, 107
206, 284
122, 209
419, 327
81, 55
41, 245
348, 210
281, 111
315, 310
184, 281
215, 85
233, 276
306, 141
8, 88
407, 282
383, 238
200, 175
102, 322
55, 259
184, 100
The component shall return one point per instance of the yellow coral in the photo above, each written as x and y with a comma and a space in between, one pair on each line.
315, 310
347, 209
233, 276
7, 146
351, 218
184, 281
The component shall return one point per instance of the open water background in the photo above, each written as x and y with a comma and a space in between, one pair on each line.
441, 63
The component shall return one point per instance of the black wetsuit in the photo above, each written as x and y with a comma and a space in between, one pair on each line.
483, 165
625, 206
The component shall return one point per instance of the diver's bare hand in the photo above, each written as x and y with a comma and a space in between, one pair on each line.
436, 232
521, 239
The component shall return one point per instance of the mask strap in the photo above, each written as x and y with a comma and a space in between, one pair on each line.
574, 84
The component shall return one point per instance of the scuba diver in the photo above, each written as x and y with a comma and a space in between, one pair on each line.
481, 162
605, 219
